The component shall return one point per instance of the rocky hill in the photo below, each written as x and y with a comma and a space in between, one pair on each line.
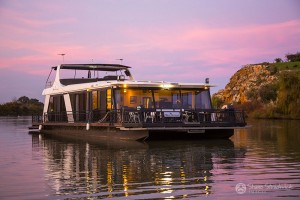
248, 78
267, 90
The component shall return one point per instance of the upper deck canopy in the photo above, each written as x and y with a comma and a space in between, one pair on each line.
95, 67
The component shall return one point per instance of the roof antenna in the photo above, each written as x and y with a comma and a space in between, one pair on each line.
121, 60
63, 56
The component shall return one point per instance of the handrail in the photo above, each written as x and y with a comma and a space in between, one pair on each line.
48, 83
36, 118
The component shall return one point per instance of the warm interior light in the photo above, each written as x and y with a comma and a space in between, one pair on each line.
166, 86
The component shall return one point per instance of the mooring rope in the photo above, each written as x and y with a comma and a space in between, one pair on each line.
104, 118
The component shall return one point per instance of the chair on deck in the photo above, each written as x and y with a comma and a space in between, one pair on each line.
134, 117
149, 115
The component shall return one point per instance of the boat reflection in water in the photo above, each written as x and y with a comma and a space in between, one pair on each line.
157, 169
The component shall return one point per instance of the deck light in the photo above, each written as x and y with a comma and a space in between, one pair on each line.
166, 86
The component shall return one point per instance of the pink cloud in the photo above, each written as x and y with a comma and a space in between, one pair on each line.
222, 45
212, 52
162, 48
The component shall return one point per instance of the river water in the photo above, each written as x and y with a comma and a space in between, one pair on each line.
262, 162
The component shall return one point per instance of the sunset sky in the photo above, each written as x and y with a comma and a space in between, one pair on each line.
171, 40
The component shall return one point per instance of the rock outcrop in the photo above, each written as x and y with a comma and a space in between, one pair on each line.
250, 77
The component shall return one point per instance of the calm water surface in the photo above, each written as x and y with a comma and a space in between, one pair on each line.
259, 163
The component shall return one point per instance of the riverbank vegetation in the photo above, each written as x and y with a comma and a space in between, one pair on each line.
21, 107
280, 99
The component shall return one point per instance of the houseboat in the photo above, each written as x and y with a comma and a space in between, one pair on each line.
104, 101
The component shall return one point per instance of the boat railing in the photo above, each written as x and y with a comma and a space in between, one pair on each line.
184, 117
49, 84
71, 117
36, 119
142, 117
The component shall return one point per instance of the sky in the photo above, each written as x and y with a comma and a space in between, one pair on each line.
162, 40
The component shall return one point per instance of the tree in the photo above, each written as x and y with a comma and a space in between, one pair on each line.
268, 93
293, 57
23, 99
217, 102
278, 60
34, 101
22, 106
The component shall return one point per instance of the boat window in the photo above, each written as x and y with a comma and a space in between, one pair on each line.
103, 103
118, 99
78, 102
51, 105
73, 101
176, 100
96, 99
167, 98
202, 100
136, 97
187, 101
108, 98
147, 102
56, 104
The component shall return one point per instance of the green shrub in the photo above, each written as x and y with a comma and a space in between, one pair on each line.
268, 93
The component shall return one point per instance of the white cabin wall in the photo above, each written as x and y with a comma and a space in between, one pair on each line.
46, 105
69, 109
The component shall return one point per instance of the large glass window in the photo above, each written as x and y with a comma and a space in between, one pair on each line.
118, 99
187, 100
78, 102
202, 100
147, 102
168, 99
56, 104
108, 98
176, 100
136, 97
165, 98
96, 100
